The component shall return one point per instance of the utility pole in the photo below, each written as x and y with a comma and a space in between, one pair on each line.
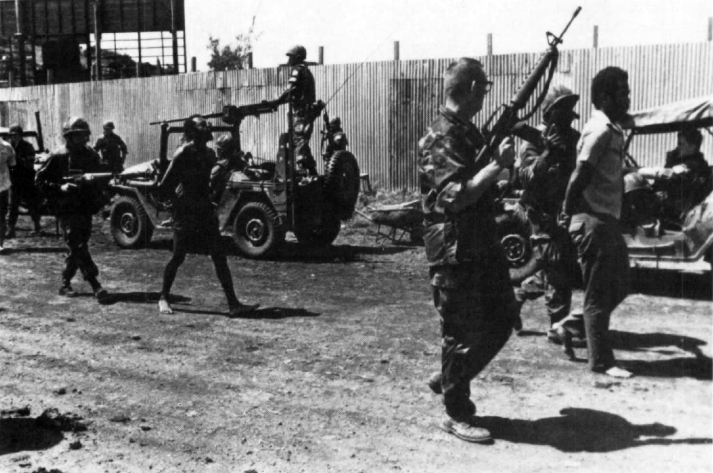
98, 38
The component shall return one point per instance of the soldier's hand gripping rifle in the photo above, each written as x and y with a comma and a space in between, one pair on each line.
504, 125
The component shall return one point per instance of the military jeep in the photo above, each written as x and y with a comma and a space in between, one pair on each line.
259, 204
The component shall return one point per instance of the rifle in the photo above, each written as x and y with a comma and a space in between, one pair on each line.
231, 114
81, 179
504, 125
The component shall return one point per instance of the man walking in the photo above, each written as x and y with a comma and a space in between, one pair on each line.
112, 148
74, 204
593, 206
468, 270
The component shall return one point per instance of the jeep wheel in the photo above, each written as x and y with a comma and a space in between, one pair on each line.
323, 235
257, 230
515, 240
341, 183
130, 225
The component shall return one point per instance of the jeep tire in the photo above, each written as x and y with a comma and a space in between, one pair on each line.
257, 231
323, 235
130, 225
341, 183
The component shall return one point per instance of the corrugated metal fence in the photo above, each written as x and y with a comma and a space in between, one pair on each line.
384, 106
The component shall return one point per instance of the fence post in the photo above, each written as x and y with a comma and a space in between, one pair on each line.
710, 28
396, 51
595, 37
193, 64
321, 55
98, 38
490, 44
250, 60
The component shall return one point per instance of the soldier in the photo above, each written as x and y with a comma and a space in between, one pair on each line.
336, 138
468, 270
195, 224
301, 94
74, 204
544, 172
23, 183
112, 148
592, 207
7, 162
229, 160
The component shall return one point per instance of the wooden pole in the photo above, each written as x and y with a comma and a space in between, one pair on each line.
20, 41
490, 44
321, 55
193, 64
174, 38
595, 37
98, 38
710, 28
396, 51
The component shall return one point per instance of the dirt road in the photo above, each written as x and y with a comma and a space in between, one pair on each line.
329, 376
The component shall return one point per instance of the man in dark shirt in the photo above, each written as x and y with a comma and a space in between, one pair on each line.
74, 204
301, 95
195, 224
544, 172
336, 138
468, 270
23, 183
112, 149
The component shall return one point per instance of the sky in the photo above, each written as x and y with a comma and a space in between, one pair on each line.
355, 31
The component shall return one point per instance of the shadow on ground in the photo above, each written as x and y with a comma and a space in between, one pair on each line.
143, 298
291, 251
698, 367
22, 434
266, 313
584, 430
670, 283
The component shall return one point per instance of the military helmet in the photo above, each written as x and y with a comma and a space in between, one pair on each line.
335, 122
16, 129
633, 181
108, 125
75, 125
225, 142
561, 98
297, 51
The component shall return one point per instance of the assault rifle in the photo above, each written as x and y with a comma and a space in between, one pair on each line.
504, 125
80, 179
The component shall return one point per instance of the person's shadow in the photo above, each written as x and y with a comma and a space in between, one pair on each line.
584, 430
698, 367
140, 297
22, 433
260, 313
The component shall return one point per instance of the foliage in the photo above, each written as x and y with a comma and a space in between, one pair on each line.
232, 57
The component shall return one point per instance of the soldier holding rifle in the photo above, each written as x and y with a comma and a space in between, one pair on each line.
468, 270
75, 200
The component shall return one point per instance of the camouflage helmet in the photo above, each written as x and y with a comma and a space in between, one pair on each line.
75, 125
298, 52
225, 143
561, 98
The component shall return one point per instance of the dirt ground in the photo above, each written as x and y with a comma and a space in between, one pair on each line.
329, 376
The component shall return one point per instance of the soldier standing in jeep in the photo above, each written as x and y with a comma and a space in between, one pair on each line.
544, 173
195, 225
301, 94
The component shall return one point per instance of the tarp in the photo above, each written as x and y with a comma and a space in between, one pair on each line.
674, 116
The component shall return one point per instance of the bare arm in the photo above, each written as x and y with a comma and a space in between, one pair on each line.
581, 177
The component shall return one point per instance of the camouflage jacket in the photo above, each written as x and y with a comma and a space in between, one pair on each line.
446, 162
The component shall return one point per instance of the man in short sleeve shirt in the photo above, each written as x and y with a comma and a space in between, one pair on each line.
593, 206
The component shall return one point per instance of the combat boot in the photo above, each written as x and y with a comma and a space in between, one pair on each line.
67, 291
466, 429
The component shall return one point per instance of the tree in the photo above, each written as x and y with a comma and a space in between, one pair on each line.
236, 57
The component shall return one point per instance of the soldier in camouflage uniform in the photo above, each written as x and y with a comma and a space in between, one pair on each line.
336, 138
544, 172
301, 94
112, 148
468, 270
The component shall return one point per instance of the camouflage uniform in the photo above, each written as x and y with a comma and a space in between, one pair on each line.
468, 270
74, 210
544, 174
301, 94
